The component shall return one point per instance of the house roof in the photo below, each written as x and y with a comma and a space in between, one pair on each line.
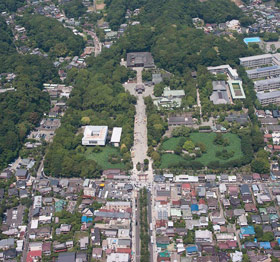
249, 230
33, 254
265, 245
66, 257
21, 173
191, 249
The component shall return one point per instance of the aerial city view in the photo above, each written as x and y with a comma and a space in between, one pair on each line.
140, 130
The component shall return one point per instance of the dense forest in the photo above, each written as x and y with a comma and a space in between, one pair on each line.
74, 9
97, 99
22, 109
6, 39
166, 12
10, 5
51, 36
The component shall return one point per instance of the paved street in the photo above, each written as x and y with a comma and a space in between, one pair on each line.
139, 153
97, 44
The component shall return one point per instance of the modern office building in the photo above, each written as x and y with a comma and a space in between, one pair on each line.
263, 72
95, 135
267, 84
269, 98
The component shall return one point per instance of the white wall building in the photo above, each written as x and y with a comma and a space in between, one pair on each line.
95, 136
116, 136
203, 236
37, 202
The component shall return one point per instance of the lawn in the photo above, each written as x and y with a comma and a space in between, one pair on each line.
102, 157
210, 155
167, 159
171, 143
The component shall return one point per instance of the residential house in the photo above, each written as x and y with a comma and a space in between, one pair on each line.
203, 236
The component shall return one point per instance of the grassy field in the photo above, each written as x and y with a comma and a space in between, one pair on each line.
167, 159
210, 155
171, 143
102, 157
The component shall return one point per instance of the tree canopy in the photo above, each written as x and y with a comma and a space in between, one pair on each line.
51, 36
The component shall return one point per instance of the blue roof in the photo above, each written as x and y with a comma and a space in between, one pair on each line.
263, 69
265, 245
191, 249
249, 230
86, 219
278, 240
194, 207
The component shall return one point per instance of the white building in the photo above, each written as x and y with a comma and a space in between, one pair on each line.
203, 236
224, 69
186, 178
116, 136
37, 202
118, 257
95, 135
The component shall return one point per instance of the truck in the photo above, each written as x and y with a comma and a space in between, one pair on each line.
151, 226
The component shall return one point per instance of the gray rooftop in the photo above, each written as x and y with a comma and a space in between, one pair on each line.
267, 81
112, 214
219, 86
66, 257
145, 58
251, 58
21, 173
262, 96
263, 69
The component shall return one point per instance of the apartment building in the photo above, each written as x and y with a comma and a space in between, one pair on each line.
263, 72
256, 61
269, 98
267, 84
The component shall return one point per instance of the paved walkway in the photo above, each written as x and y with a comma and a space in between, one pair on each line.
139, 154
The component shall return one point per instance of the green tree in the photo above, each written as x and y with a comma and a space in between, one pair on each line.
189, 146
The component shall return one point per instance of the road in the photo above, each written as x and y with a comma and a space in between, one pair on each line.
26, 242
137, 231
97, 44
198, 101
139, 153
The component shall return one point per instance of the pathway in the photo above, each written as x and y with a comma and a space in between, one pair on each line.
198, 101
139, 153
